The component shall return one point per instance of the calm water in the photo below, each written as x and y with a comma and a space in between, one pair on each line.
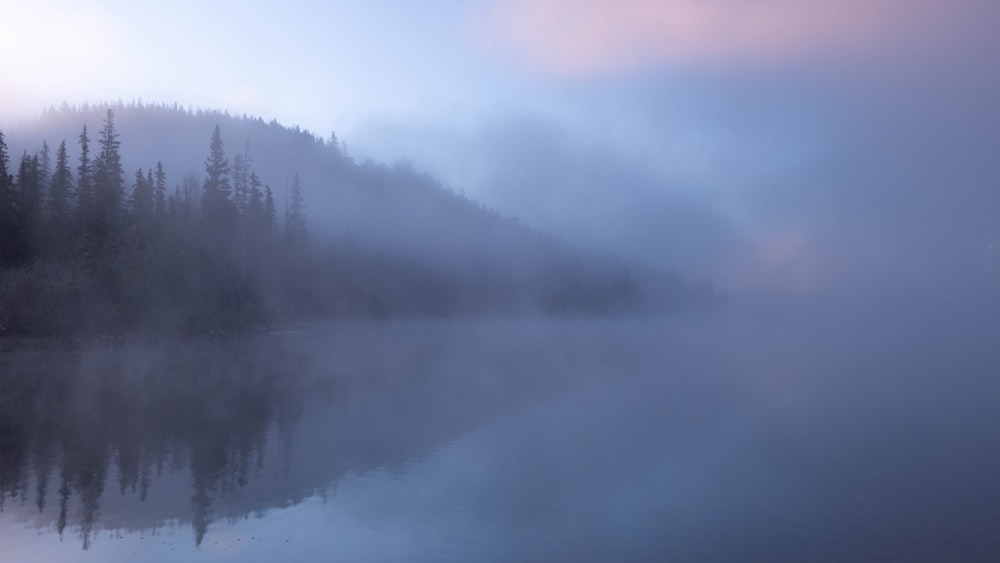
727, 437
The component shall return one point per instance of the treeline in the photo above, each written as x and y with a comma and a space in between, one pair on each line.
84, 251
88, 249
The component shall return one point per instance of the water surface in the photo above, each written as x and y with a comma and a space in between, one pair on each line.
725, 437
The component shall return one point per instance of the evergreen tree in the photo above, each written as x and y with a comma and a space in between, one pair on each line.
256, 211
241, 164
84, 183
255, 202
5, 179
8, 211
28, 199
142, 201
216, 189
60, 192
44, 165
160, 191
109, 180
295, 216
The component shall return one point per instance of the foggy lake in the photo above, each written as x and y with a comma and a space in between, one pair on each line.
501, 281
751, 434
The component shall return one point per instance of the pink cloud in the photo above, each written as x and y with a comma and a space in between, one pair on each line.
588, 36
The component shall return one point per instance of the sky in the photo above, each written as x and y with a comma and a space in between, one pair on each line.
774, 146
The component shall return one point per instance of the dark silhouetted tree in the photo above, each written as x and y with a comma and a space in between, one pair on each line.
109, 181
142, 202
28, 198
4, 162
216, 190
9, 252
60, 194
84, 183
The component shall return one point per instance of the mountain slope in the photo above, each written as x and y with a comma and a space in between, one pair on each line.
385, 241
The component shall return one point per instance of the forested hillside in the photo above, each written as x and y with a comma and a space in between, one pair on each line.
137, 218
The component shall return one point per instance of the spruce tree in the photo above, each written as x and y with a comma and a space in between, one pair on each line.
109, 180
60, 192
216, 189
45, 165
84, 183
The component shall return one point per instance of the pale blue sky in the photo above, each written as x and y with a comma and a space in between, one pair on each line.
322, 65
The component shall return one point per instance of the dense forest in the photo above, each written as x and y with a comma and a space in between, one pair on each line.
87, 248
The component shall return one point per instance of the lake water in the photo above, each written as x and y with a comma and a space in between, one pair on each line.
732, 436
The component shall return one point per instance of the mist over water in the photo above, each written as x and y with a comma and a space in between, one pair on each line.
760, 433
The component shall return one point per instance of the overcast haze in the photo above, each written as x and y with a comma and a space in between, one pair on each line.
774, 146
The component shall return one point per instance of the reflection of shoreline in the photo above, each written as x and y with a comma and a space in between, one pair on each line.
140, 436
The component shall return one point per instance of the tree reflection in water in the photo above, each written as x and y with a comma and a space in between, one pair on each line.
77, 416
138, 437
